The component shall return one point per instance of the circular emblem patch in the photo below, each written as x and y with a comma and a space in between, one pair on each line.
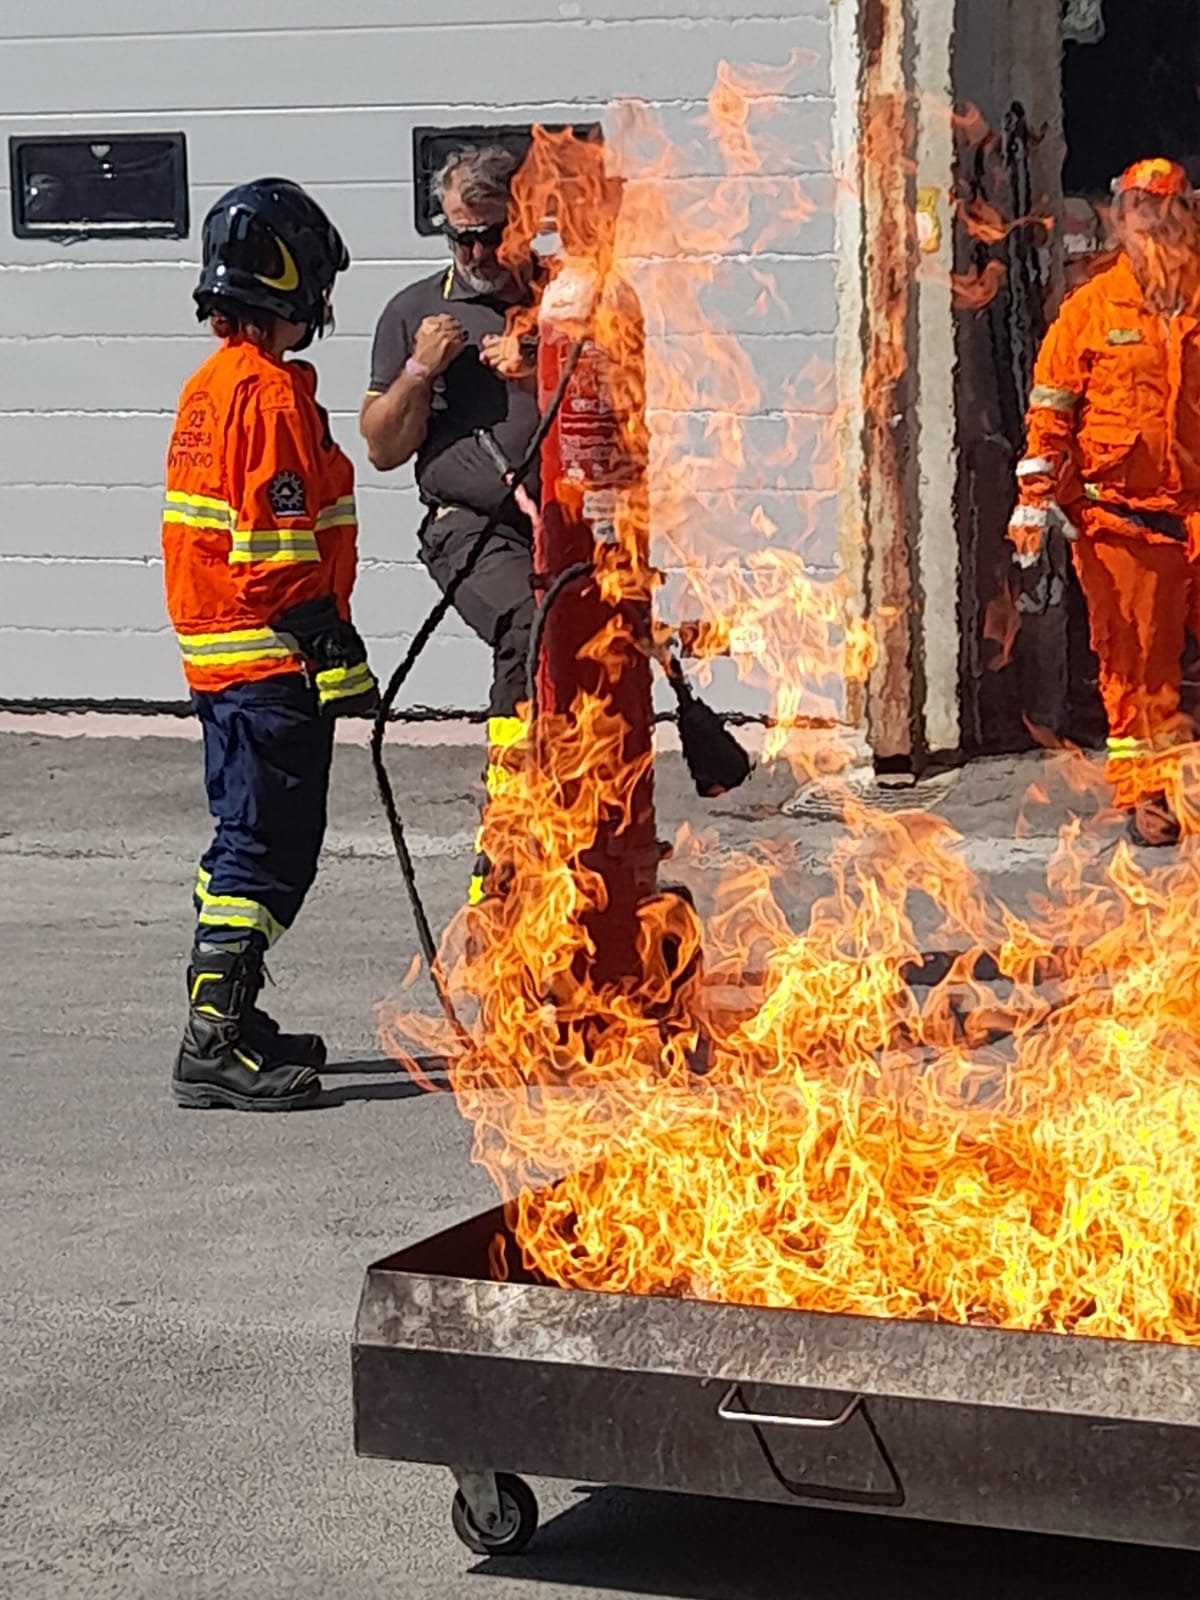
285, 493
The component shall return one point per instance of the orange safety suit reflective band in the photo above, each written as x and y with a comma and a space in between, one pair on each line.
259, 515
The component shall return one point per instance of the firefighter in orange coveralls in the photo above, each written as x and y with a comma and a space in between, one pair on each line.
1112, 464
259, 541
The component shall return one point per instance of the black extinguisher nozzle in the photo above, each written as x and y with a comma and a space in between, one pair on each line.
716, 761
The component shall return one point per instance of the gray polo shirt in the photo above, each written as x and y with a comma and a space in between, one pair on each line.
451, 468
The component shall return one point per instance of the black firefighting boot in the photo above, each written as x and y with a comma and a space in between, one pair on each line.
264, 1035
218, 1065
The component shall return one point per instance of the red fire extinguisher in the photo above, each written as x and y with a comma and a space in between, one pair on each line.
587, 475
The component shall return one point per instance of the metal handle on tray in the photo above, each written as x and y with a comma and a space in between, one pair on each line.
764, 1420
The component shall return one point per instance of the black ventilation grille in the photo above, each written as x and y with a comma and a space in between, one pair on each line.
99, 186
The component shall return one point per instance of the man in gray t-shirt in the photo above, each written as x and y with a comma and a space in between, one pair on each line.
440, 369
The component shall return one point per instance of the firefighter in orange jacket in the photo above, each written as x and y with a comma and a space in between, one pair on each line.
259, 542
1112, 464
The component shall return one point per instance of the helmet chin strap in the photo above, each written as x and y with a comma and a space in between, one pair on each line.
321, 319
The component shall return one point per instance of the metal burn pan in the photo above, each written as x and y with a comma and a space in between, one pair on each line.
1033, 1431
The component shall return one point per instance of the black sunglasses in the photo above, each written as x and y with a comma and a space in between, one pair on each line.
490, 236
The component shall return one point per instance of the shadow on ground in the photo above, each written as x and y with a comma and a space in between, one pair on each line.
388, 1080
693, 1549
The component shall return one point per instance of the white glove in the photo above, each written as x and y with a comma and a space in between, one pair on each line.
1040, 536
1030, 527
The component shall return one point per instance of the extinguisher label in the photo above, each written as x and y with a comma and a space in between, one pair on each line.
589, 431
600, 511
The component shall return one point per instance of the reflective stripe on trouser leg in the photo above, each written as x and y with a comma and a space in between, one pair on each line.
267, 755
1138, 596
1125, 769
232, 912
1142, 770
506, 752
477, 888
224, 912
506, 755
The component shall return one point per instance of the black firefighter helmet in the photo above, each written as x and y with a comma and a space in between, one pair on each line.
268, 246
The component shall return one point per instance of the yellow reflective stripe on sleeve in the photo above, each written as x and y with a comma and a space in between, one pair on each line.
505, 732
196, 519
198, 502
273, 545
236, 911
475, 890
1042, 397
342, 514
343, 683
1035, 467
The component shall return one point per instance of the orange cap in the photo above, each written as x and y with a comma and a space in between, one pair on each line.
1154, 176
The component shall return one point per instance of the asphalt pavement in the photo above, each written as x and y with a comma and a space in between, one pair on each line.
177, 1291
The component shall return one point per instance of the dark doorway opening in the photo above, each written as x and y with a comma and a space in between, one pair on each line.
1134, 93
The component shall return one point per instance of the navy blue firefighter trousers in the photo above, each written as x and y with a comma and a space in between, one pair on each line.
267, 758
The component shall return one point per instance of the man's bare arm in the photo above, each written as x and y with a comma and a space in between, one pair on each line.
394, 424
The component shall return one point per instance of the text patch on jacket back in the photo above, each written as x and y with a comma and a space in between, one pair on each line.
192, 442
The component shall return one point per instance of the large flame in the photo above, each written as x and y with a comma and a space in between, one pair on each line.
775, 1115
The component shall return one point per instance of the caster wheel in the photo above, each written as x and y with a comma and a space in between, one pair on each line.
516, 1526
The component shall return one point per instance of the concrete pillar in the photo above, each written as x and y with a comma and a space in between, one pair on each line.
937, 552
895, 709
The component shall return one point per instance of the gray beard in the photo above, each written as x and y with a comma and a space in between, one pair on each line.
481, 283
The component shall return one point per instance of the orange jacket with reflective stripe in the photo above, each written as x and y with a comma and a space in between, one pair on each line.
1114, 414
259, 514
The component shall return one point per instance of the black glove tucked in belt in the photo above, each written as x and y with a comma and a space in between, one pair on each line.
1041, 572
344, 681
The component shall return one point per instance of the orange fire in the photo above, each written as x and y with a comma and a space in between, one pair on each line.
1001, 625
976, 288
982, 221
775, 1114
985, 222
